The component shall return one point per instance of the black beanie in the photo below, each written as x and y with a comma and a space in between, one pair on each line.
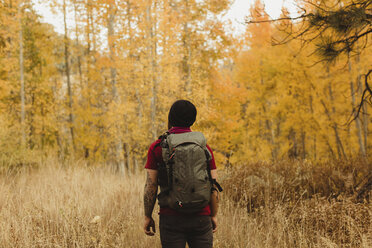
182, 114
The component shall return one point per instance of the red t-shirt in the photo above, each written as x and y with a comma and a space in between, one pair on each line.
154, 156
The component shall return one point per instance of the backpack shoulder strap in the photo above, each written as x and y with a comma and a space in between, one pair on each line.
166, 157
213, 181
162, 138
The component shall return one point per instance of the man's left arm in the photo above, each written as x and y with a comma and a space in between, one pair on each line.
149, 199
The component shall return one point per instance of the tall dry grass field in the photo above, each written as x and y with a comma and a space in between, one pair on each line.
71, 207
79, 206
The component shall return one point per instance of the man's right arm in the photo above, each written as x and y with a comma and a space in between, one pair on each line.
149, 199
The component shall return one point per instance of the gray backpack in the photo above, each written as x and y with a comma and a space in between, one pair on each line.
184, 176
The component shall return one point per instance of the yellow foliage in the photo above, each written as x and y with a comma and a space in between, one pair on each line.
103, 92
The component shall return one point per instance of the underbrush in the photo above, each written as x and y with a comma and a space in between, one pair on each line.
269, 184
19, 160
311, 223
308, 205
13, 156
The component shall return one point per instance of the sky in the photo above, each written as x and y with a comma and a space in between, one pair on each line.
237, 13
240, 9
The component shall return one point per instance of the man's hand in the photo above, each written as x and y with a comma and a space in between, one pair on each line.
149, 224
214, 223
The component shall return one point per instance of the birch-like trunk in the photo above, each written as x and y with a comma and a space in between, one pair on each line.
364, 115
152, 46
140, 107
87, 72
78, 44
58, 131
22, 79
340, 147
269, 135
314, 137
357, 120
187, 55
67, 70
132, 59
110, 34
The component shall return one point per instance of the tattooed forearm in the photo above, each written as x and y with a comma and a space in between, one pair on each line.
151, 189
214, 203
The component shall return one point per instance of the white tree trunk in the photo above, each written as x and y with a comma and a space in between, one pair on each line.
153, 63
357, 120
22, 79
67, 70
110, 34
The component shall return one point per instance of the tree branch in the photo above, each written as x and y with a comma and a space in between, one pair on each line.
365, 98
281, 19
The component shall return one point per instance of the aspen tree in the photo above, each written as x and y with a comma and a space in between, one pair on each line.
77, 42
130, 6
152, 56
68, 78
111, 14
21, 75
353, 103
187, 47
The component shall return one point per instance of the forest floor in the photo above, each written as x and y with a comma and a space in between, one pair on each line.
56, 206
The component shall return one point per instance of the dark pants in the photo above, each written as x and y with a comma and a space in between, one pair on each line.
175, 231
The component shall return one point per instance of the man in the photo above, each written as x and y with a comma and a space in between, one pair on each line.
177, 228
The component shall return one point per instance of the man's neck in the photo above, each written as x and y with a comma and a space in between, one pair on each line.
179, 130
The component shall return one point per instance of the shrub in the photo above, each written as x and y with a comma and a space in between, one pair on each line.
269, 184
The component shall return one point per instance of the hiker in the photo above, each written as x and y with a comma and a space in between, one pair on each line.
182, 164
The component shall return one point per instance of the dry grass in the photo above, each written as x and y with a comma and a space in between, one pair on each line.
317, 223
301, 204
56, 207
269, 184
